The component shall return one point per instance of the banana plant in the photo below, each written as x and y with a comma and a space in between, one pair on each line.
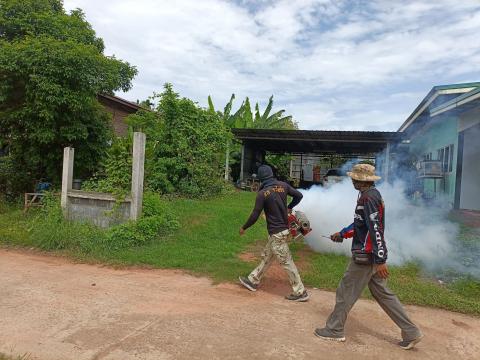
273, 121
234, 120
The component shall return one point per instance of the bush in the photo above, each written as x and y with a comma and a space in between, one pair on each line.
185, 147
50, 231
12, 181
157, 221
116, 169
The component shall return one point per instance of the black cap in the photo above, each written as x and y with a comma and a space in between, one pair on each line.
265, 172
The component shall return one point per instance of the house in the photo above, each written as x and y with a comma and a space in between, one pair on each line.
443, 137
120, 109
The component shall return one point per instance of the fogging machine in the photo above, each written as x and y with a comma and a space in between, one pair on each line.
298, 224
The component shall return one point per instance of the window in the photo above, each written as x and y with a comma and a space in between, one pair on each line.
441, 156
445, 155
450, 158
427, 156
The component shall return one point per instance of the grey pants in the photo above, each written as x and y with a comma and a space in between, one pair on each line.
355, 279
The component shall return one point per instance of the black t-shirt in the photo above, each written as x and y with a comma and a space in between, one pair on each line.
272, 198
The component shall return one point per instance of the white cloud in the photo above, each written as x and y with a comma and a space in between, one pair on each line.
331, 64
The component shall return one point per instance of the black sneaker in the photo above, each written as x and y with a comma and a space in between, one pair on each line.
247, 283
325, 334
410, 344
300, 298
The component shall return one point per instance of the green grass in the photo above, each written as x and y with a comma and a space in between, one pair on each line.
408, 282
9, 357
208, 243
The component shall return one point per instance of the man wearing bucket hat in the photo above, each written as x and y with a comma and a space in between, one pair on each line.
368, 265
272, 198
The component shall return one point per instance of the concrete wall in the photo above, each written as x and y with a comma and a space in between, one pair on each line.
103, 209
441, 132
119, 112
97, 208
469, 119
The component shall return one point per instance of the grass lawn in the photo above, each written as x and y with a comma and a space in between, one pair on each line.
208, 243
7, 357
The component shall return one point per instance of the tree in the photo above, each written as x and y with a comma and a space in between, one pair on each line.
52, 67
243, 119
186, 151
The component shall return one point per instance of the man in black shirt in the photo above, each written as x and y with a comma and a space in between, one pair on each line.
272, 198
368, 266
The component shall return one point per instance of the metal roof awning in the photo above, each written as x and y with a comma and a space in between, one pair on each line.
316, 141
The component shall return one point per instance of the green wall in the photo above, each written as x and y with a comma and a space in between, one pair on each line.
439, 133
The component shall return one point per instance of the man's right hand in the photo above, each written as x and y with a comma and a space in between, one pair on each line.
336, 237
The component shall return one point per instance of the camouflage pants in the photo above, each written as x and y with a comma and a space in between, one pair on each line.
277, 246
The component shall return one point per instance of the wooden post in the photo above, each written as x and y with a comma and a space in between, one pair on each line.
67, 177
138, 164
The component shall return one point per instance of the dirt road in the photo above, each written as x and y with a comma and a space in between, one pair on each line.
54, 309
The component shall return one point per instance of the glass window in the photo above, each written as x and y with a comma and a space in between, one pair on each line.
450, 162
445, 158
440, 154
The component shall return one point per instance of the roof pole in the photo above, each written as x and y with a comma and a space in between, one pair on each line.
387, 162
242, 162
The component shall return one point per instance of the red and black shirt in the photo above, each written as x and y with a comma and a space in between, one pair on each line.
367, 229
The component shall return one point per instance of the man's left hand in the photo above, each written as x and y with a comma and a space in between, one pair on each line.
382, 270
242, 231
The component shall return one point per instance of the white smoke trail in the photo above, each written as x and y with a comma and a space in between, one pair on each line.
412, 232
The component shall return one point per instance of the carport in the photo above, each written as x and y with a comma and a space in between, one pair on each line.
373, 144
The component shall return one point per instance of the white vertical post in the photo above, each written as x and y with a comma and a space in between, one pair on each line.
387, 162
67, 177
241, 162
227, 155
138, 164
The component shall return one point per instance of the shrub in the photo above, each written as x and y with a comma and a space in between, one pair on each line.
12, 181
116, 174
50, 231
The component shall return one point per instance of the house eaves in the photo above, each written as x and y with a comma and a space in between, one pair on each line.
122, 102
454, 103
433, 94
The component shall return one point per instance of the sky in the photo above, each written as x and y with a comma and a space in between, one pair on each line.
331, 64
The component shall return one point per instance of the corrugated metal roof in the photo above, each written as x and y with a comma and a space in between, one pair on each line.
317, 141
123, 102
316, 134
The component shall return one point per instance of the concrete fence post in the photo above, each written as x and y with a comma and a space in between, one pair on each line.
138, 164
67, 177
